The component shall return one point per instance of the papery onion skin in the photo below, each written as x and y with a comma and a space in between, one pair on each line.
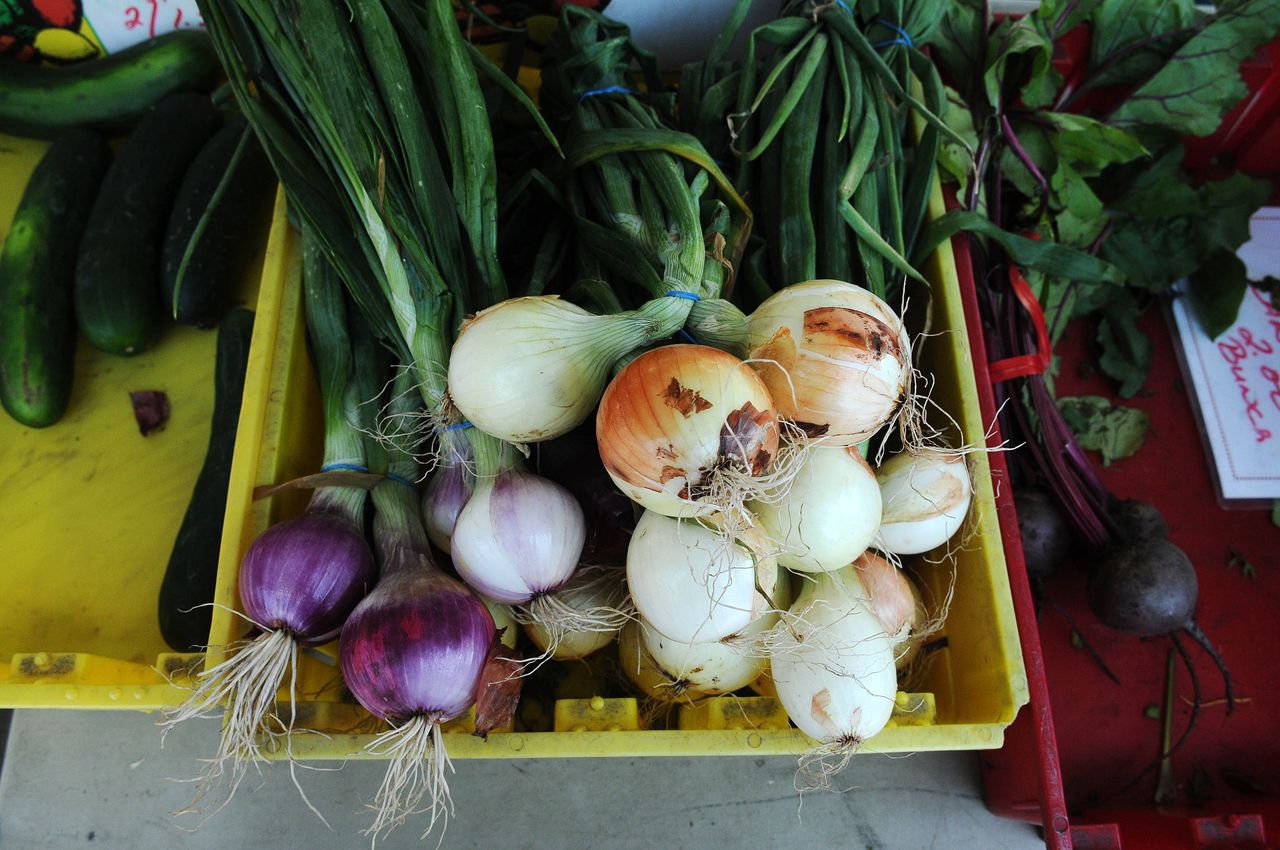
668, 418
926, 497
693, 586
834, 666
305, 575
416, 645
532, 368
518, 536
890, 593
836, 359
830, 514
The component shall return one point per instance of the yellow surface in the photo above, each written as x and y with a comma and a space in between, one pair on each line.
967, 695
90, 510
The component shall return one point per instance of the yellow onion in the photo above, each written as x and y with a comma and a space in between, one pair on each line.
836, 358
643, 672
926, 495
533, 368
829, 515
678, 416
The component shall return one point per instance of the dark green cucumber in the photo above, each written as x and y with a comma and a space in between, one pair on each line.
107, 94
188, 584
117, 293
37, 268
224, 195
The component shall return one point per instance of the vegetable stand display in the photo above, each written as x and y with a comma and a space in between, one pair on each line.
92, 509
972, 691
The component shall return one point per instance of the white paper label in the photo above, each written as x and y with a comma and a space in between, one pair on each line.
1236, 378
123, 23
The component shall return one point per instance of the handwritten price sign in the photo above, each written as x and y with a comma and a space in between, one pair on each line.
1235, 379
122, 23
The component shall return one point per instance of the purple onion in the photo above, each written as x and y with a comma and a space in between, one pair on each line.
304, 575
417, 644
518, 536
446, 494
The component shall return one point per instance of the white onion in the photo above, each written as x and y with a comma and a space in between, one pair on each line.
533, 368
595, 600
717, 667
830, 514
518, 536
503, 621
836, 358
691, 584
643, 672
926, 496
833, 663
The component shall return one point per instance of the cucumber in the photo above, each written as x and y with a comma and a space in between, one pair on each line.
37, 267
225, 194
107, 94
117, 292
192, 572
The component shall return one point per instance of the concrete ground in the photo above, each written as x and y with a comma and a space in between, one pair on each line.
100, 780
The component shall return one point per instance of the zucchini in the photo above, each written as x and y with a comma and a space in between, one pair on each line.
117, 292
189, 579
225, 194
108, 94
37, 267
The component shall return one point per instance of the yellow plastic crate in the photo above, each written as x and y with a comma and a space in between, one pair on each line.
971, 692
91, 508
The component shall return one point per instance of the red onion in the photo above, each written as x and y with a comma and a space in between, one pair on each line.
518, 537
305, 575
413, 653
298, 582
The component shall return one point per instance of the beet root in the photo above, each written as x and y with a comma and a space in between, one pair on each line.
1046, 536
1137, 520
1144, 588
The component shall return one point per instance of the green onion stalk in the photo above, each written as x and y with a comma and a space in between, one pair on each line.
373, 117
816, 115
658, 227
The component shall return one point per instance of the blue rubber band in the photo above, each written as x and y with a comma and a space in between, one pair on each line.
844, 5
685, 335
604, 90
391, 476
457, 426
904, 38
688, 296
343, 467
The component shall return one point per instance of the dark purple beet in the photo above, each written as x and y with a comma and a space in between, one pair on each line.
1144, 588
1138, 520
305, 574
416, 646
1046, 534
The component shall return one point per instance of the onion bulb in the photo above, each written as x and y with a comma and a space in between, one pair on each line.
833, 663
504, 622
298, 582
836, 358
583, 616
447, 491
829, 515
926, 496
532, 368
889, 593
681, 421
643, 672
691, 584
518, 536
